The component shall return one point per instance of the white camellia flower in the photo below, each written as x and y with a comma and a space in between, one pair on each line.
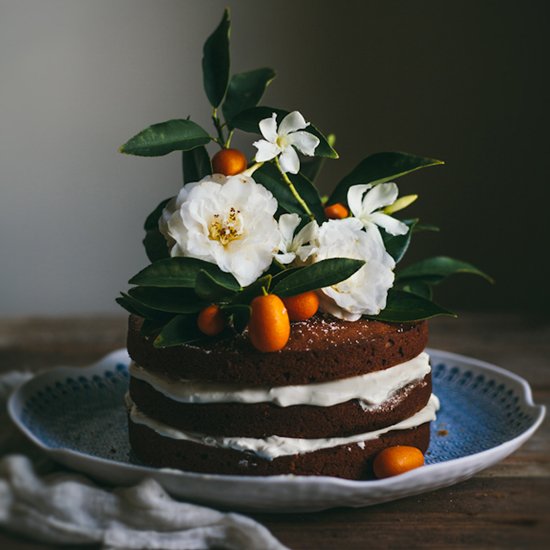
365, 292
174, 204
224, 220
367, 208
282, 140
298, 246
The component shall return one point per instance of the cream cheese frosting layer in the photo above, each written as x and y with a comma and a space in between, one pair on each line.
276, 446
372, 389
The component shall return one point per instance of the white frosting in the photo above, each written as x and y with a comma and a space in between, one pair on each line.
371, 389
276, 446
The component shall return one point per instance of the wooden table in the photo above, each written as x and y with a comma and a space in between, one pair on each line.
507, 506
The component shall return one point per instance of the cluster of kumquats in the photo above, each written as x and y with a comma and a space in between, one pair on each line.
269, 324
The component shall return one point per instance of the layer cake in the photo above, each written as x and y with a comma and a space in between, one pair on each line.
334, 397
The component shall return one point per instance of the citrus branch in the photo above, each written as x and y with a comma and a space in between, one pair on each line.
249, 171
229, 137
293, 190
218, 126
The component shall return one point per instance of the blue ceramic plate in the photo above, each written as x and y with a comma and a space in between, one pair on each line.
78, 417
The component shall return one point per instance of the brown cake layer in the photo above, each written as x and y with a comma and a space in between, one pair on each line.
346, 461
264, 419
319, 349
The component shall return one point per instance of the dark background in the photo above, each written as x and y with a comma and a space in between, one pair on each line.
465, 82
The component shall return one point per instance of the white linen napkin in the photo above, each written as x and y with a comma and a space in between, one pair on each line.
42, 501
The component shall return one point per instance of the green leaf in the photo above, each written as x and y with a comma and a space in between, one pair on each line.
249, 120
170, 300
319, 275
154, 242
196, 164
163, 138
178, 273
397, 245
215, 287
239, 315
283, 274
311, 167
250, 292
309, 193
416, 286
404, 307
380, 168
215, 61
152, 220
155, 245
439, 267
270, 177
124, 302
245, 91
150, 327
182, 329
419, 227
137, 308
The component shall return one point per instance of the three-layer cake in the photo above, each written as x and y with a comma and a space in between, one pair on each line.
333, 398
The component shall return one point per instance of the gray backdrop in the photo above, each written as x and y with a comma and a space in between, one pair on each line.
461, 81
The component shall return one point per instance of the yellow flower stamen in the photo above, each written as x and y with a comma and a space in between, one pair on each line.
282, 141
228, 229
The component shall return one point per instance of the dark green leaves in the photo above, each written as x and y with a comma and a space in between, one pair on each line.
251, 291
196, 164
405, 307
311, 167
380, 168
155, 244
181, 273
416, 286
215, 61
271, 178
152, 220
170, 300
309, 193
397, 245
239, 315
416, 281
131, 305
438, 268
165, 137
245, 91
319, 275
249, 120
213, 287
171, 272
173, 291
182, 329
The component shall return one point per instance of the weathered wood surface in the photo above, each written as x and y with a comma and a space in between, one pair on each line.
507, 506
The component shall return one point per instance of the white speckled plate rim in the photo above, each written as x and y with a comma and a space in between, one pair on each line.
286, 493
